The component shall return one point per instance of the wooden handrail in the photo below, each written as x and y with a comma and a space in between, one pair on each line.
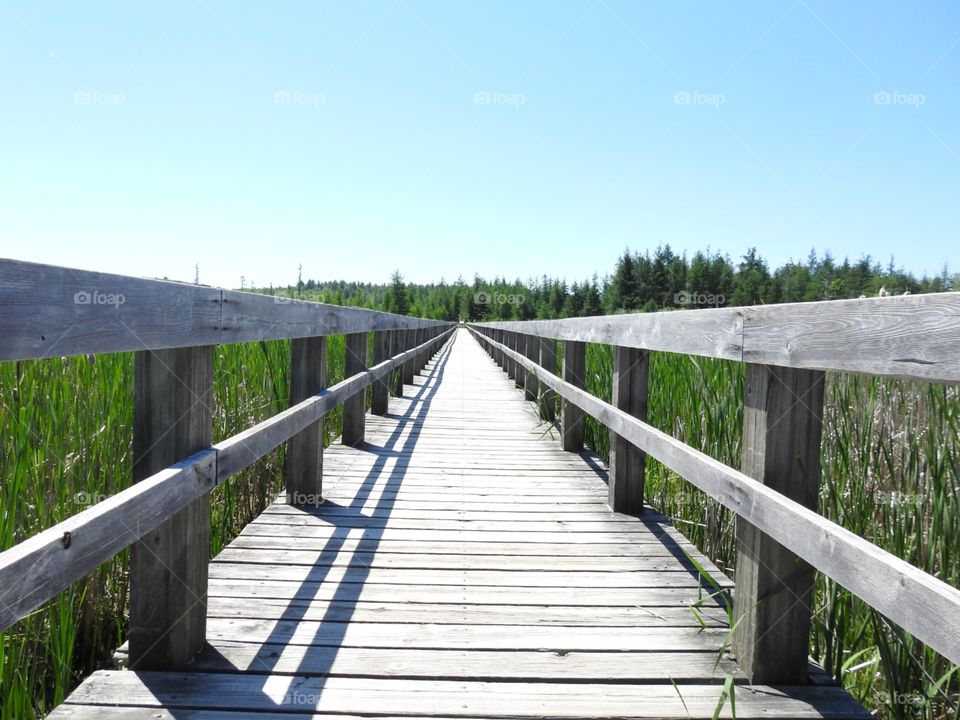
51, 311
35, 570
913, 336
920, 603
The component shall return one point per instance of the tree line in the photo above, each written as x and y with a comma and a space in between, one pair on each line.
641, 281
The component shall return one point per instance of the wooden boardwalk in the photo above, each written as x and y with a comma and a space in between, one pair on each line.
462, 565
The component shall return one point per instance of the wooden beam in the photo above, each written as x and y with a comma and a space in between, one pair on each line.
571, 416
783, 420
90, 312
380, 390
355, 407
531, 349
627, 461
410, 342
172, 418
304, 457
548, 361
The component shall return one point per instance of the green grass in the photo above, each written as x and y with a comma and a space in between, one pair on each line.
890, 472
65, 442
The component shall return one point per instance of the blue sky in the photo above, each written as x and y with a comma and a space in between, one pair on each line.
448, 138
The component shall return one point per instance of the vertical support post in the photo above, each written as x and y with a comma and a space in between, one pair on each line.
782, 428
627, 461
172, 418
396, 376
510, 340
409, 342
354, 407
572, 417
519, 371
304, 460
548, 361
380, 390
531, 386
497, 336
422, 356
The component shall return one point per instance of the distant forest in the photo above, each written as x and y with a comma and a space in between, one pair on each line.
641, 281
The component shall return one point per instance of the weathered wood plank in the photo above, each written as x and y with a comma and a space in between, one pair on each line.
357, 611
574, 373
303, 462
627, 468
380, 390
354, 407
172, 418
713, 333
641, 667
91, 312
782, 426
458, 698
915, 337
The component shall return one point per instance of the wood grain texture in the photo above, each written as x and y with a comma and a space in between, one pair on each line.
303, 461
714, 333
571, 415
50, 311
782, 427
380, 390
914, 337
627, 461
172, 418
355, 406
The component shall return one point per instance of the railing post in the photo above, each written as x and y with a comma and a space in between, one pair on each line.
548, 361
531, 349
409, 343
510, 340
574, 372
354, 407
380, 390
397, 341
304, 459
172, 418
782, 427
423, 355
519, 371
627, 461
497, 336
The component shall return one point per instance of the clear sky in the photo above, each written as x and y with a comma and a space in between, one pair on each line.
448, 138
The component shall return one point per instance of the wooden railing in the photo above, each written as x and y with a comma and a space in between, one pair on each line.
781, 538
165, 515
